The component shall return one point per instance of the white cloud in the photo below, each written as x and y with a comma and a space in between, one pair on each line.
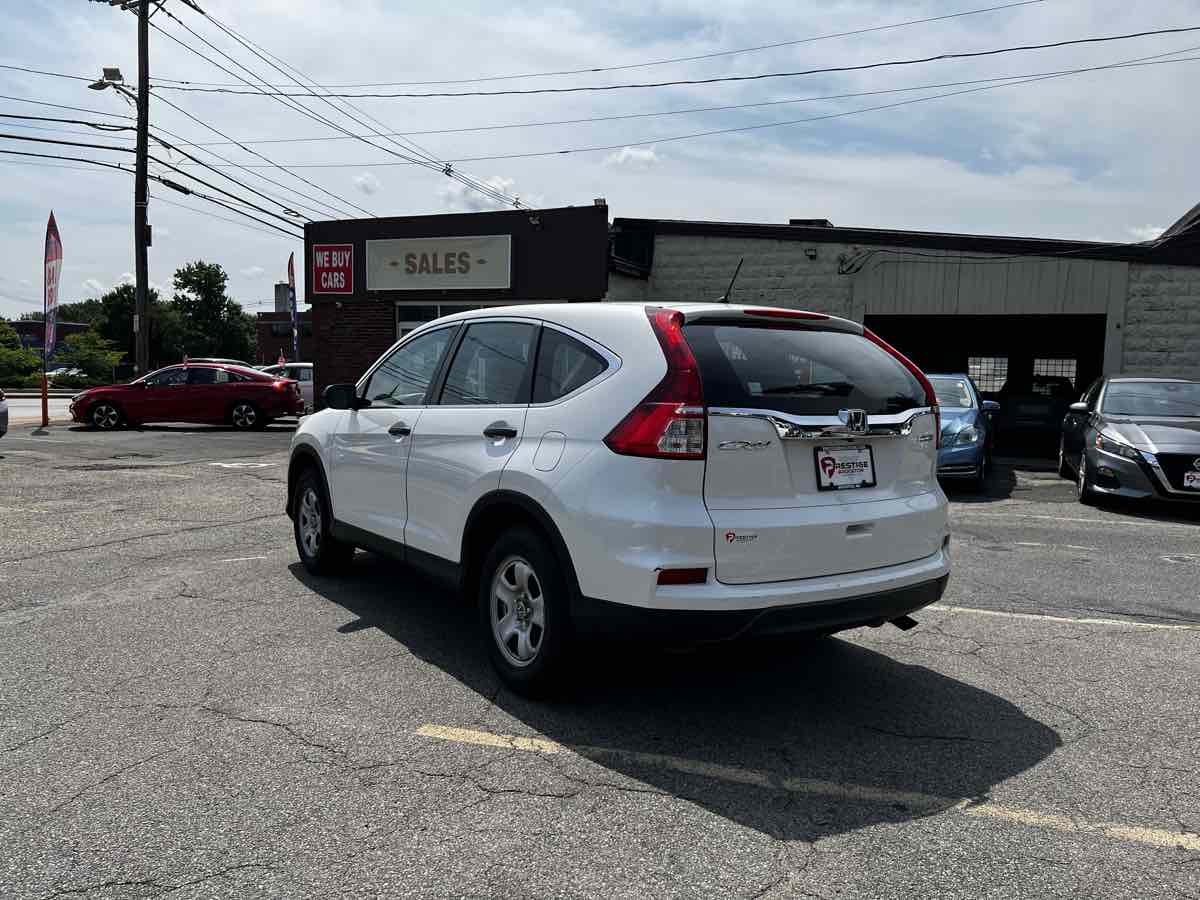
126, 278
367, 183
1145, 232
253, 272
633, 158
459, 197
93, 287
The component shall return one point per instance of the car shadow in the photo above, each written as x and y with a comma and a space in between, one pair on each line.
1000, 485
836, 736
183, 427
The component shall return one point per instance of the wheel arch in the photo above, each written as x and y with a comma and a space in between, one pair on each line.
305, 457
497, 510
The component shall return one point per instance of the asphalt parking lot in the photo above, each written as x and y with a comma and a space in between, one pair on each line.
184, 711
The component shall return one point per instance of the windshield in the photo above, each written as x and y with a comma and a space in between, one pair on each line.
952, 392
1150, 399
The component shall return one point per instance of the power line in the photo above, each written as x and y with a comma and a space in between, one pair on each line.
973, 54
696, 109
95, 112
166, 182
293, 105
278, 64
745, 128
91, 146
44, 72
657, 62
427, 160
336, 211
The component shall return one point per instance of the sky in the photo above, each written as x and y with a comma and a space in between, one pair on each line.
1104, 155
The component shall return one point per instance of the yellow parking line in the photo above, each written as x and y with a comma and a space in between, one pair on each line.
1069, 620
1154, 837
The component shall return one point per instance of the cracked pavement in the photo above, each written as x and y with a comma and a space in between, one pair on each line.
184, 712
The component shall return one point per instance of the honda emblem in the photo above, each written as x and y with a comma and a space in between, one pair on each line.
855, 420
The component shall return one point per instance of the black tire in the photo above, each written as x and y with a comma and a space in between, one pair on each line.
106, 416
1083, 484
1064, 467
544, 591
319, 551
245, 416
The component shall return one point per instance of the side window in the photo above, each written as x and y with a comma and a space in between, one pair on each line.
304, 374
1093, 394
563, 364
492, 365
403, 378
205, 375
167, 376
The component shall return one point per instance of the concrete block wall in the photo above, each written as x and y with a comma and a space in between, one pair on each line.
624, 288
775, 273
1162, 321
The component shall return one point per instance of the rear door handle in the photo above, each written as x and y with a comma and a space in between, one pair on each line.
496, 432
400, 430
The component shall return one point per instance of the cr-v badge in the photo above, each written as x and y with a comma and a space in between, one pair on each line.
744, 445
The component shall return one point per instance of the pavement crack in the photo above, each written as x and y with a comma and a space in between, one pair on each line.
282, 726
966, 738
110, 777
138, 537
37, 737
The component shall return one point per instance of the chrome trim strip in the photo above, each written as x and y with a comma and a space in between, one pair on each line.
816, 428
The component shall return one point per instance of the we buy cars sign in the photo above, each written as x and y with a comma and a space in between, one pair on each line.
333, 269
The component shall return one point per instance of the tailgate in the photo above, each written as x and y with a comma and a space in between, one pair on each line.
821, 451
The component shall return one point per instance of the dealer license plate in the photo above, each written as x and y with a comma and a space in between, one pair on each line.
1191, 480
843, 468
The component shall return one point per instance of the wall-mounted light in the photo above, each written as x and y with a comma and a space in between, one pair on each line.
810, 252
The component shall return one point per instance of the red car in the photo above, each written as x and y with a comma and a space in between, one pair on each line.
208, 393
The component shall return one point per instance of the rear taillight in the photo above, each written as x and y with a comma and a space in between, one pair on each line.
670, 422
279, 385
930, 395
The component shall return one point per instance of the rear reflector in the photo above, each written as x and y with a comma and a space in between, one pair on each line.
926, 385
670, 421
682, 576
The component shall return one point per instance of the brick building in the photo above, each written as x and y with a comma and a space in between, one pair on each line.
371, 281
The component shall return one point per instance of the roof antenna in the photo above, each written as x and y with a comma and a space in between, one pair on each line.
729, 290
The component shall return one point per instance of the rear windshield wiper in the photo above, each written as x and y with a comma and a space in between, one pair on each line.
823, 389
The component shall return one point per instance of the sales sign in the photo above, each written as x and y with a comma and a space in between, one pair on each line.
333, 268
482, 262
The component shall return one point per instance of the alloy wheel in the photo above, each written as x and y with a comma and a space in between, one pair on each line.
309, 522
105, 416
244, 416
517, 611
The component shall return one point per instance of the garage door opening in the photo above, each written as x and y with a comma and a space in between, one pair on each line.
1034, 366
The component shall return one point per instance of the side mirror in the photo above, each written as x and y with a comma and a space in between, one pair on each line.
990, 406
1080, 409
344, 396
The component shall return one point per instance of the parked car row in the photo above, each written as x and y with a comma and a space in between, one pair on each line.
201, 392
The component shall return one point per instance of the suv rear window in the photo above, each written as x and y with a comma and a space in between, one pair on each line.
800, 372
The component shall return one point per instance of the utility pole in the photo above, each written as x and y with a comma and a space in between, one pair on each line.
141, 229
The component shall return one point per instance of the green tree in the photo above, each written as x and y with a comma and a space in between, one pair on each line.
215, 325
92, 352
15, 361
89, 312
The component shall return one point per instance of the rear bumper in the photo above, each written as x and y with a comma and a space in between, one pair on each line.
592, 616
714, 611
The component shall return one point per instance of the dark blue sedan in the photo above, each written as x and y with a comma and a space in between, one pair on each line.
967, 432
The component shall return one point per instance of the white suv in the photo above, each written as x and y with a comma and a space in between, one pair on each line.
700, 471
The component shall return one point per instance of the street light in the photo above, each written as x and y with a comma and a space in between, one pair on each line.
111, 77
